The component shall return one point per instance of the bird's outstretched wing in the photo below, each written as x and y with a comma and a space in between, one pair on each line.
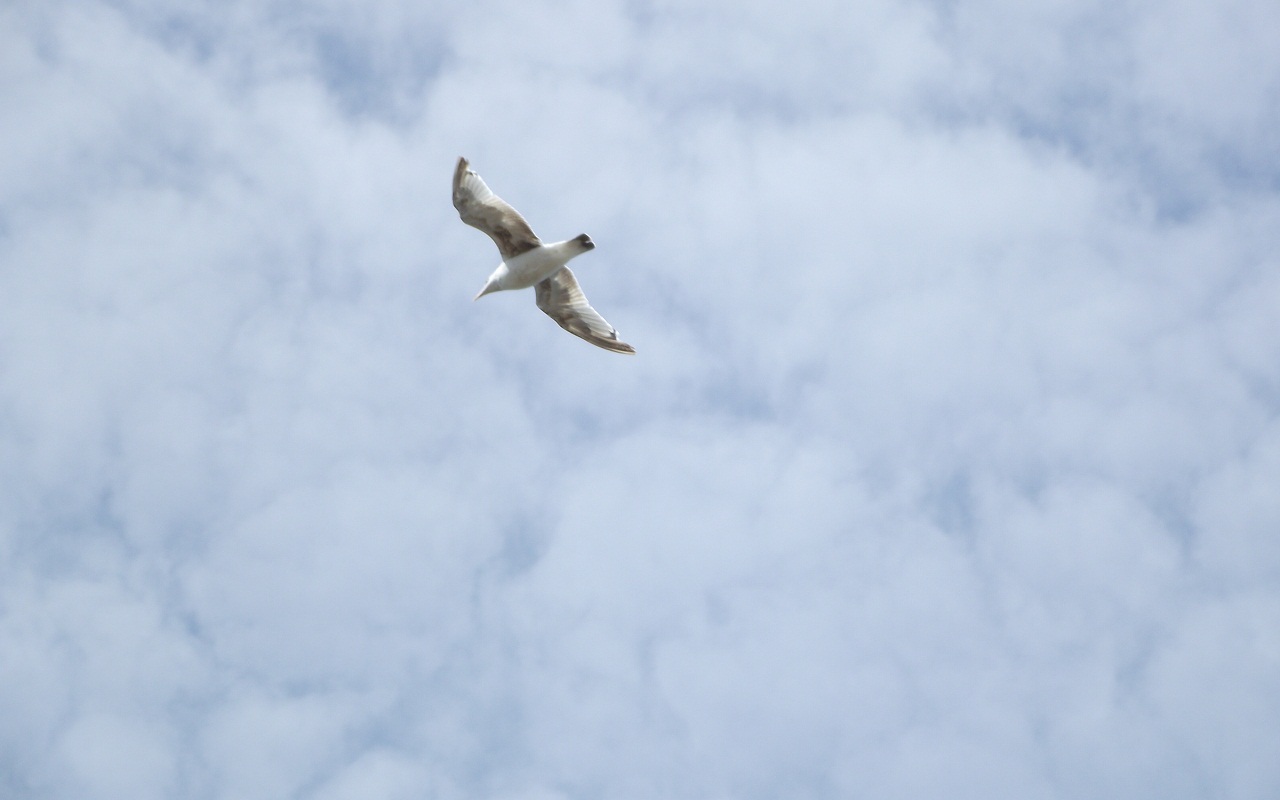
480, 208
562, 300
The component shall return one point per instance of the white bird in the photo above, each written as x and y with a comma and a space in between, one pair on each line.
526, 261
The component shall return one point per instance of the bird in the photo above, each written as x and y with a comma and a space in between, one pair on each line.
528, 261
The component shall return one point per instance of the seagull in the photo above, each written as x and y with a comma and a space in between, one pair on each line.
526, 261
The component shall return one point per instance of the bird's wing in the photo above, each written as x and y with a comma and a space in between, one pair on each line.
562, 300
480, 208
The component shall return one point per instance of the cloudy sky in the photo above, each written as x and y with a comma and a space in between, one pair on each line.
948, 465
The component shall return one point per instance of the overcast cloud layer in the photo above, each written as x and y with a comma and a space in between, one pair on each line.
949, 465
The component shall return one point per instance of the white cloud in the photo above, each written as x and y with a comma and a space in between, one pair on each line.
945, 466
111, 757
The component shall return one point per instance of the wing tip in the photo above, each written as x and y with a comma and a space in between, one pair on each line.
615, 346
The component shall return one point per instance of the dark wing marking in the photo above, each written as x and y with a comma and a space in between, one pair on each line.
480, 208
562, 300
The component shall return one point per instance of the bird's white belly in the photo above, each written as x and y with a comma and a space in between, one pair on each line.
534, 266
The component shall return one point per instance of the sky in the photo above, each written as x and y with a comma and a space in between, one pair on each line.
948, 464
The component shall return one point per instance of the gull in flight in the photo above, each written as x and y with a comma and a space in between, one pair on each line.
526, 261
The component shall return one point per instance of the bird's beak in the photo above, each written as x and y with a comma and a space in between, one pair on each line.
491, 286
